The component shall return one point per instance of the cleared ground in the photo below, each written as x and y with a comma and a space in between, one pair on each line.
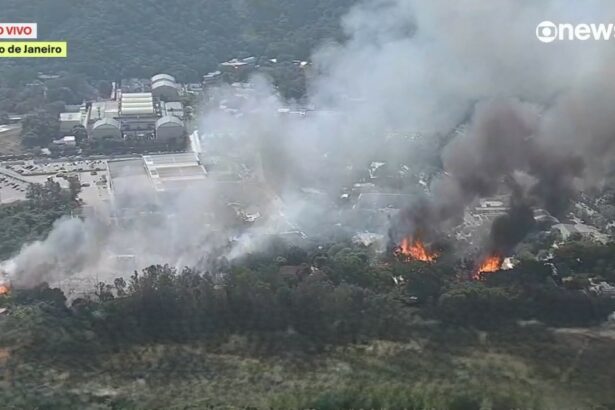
10, 139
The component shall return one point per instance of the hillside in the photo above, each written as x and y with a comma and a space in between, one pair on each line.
187, 38
268, 338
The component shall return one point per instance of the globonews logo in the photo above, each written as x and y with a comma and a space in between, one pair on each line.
548, 31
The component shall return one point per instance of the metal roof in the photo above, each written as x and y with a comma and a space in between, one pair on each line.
137, 101
139, 97
136, 110
137, 104
173, 106
160, 160
106, 121
168, 119
164, 83
70, 116
136, 95
174, 171
162, 76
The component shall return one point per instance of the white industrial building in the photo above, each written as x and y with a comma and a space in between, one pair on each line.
173, 108
69, 120
106, 128
100, 109
165, 90
169, 172
153, 177
136, 104
169, 127
137, 116
160, 77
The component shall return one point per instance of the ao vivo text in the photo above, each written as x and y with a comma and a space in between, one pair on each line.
17, 30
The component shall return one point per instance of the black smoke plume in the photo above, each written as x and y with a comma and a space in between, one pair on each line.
501, 151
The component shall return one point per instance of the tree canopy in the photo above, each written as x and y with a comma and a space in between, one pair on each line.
187, 38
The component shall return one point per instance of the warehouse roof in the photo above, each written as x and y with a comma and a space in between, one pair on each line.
174, 171
107, 121
102, 109
136, 95
173, 108
159, 77
70, 116
164, 83
169, 119
137, 103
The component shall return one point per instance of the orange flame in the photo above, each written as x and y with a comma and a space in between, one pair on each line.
415, 249
4, 289
490, 264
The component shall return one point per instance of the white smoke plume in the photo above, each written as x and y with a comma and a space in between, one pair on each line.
406, 66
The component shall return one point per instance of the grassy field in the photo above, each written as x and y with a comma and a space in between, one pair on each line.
437, 370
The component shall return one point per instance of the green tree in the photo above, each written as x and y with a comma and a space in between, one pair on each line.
478, 305
40, 128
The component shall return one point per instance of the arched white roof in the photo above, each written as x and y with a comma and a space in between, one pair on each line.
136, 95
138, 99
164, 83
169, 119
106, 121
161, 76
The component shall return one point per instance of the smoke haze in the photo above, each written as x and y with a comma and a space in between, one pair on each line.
538, 113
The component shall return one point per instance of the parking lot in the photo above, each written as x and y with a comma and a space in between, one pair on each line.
15, 176
47, 168
11, 189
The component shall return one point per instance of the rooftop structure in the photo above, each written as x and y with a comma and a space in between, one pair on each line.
68, 140
69, 120
234, 64
159, 77
172, 171
152, 179
173, 108
602, 288
584, 230
169, 127
491, 207
212, 78
70, 116
106, 128
136, 104
102, 109
165, 90
129, 185
135, 116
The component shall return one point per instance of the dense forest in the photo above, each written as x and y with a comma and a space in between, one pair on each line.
185, 38
26, 221
290, 317
332, 325
329, 325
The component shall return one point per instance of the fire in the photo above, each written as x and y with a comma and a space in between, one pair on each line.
4, 289
491, 263
415, 249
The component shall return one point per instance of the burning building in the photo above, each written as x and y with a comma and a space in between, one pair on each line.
412, 248
489, 264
